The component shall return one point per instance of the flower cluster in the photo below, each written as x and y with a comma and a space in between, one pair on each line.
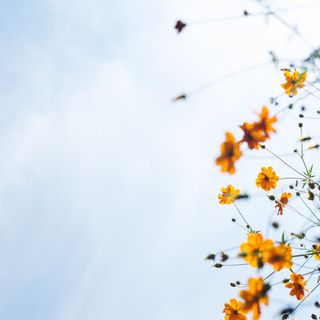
257, 132
279, 257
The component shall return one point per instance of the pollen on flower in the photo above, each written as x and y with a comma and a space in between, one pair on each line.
228, 194
267, 179
294, 81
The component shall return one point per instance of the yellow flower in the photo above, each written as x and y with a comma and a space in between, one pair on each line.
282, 202
254, 296
228, 194
234, 310
254, 249
252, 135
294, 81
267, 179
316, 251
230, 153
280, 257
265, 123
297, 285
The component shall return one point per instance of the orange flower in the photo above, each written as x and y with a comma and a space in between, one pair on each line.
228, 194
267, 179
282, 202
280, 257
254, 296
297, 285
294, 81
265, 123
230, 153
316, 251
252, 135
234, 310
254, 249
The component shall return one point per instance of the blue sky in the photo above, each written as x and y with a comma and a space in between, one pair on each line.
108, 190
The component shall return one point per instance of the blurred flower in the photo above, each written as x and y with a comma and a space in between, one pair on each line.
280, 257
267, 179
230, 153
254, 296
294, 81
234, 310
297, 285
252, 135
228, 194
265, 123
253, 250
316, 251
282, 202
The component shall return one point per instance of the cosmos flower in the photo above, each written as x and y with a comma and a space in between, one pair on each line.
234, 310
252, 135
228, 194
280, 257
267, 179
266, 123
253, 250
230, 153
294, 81
254, 296
316, 251
282, 202
297, 285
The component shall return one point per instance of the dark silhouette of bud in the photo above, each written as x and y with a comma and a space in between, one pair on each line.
182, 96
179, 26
224, 257
211, 257
310, 196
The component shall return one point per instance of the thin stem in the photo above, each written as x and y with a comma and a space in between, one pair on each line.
244, 219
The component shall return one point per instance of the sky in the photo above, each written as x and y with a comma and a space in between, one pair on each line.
107, 188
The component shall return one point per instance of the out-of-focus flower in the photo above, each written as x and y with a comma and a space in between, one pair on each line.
253, 250
254, 296
234, 310
316, 251
252, 135
228, 194
297, 285
230, 153
294, 81
267, 179
280, 257
282, 202
266, 123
